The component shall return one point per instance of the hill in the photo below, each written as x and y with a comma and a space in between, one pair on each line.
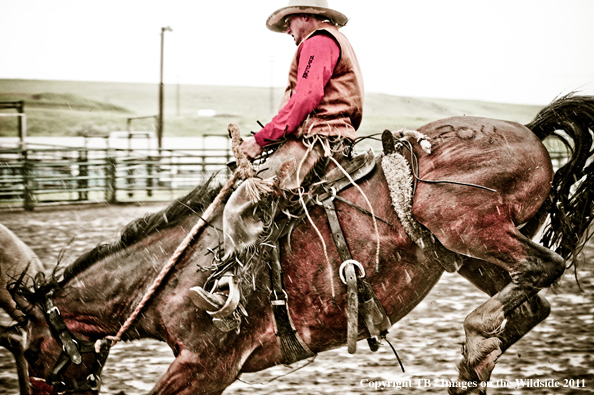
60, 108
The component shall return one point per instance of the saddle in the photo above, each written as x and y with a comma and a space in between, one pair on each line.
334, 181
242, 281
359, 292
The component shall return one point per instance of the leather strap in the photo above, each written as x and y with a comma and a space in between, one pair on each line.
292, 346
352, 308
349, 274
373, 314
359, 167
72, 351
337, 235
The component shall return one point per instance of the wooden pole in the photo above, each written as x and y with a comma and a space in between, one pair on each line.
161, 88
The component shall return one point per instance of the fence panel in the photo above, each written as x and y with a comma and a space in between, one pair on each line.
51, 176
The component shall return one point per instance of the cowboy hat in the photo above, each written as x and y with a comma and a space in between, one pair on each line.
276, 21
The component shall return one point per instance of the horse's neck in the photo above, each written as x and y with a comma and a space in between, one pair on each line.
98, 300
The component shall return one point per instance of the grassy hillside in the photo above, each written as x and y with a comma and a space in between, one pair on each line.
58, 108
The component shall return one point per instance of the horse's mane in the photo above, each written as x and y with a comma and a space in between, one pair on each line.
194, 202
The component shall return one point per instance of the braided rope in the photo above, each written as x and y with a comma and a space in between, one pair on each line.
244, 169
375, 228
309, 148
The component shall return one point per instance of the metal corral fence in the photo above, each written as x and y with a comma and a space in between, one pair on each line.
51, 176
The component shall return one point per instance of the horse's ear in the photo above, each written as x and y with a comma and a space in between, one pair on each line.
26, 305
23, 296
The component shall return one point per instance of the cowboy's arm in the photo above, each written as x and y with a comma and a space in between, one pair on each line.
317, 60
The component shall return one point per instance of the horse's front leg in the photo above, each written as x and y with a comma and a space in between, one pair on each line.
12, 340
208, 372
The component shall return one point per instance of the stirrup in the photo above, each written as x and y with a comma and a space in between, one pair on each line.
218, 305
208, 301
205, 300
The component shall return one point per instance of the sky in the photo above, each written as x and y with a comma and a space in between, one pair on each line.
516, 51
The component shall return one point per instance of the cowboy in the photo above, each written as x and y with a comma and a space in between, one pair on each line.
319, 114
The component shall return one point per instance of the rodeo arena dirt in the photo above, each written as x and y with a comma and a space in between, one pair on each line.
428, 340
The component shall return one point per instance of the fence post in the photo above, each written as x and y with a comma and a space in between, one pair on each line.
227, 160
149, 176
83, 173
28, 180
130, 179
110, 180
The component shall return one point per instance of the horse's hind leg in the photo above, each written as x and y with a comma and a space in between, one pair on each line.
492, 279
531, 267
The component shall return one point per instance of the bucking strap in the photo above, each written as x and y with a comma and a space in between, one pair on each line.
399, 176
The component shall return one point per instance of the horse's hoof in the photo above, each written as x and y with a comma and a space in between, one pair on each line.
486, 366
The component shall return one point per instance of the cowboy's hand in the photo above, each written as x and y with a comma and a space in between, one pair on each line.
250, 147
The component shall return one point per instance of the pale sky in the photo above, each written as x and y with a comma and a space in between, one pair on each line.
518, 51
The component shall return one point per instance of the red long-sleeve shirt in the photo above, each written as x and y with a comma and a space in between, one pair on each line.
317, 60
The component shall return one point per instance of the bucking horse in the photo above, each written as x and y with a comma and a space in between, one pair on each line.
481, 194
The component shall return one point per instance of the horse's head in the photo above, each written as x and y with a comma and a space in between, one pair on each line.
58, 360
41, 352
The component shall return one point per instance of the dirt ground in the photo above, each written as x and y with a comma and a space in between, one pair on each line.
428, 340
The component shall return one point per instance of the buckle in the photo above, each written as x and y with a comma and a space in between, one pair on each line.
350, 262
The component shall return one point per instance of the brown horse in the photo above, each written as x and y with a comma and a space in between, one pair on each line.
15, 257
489, 230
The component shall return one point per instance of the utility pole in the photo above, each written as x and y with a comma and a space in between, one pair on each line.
177, 96
161, 86
271, 85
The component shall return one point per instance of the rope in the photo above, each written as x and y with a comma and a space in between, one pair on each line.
427, 148
243, 170
300, 190
255, 187
321, 238
395, 353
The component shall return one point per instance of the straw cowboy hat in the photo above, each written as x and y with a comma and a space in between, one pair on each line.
276, 21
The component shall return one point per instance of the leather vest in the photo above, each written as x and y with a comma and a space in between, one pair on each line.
341, 109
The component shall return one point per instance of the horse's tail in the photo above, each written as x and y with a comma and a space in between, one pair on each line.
570, 205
